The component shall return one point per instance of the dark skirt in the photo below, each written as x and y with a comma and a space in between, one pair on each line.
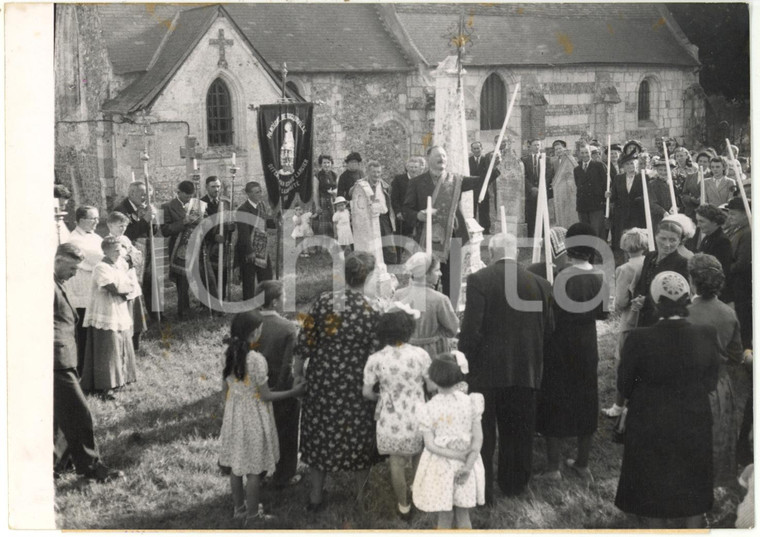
324, 219
568, 403
667, 469
109, 360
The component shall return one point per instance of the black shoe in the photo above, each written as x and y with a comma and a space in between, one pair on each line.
406, 517
103, 474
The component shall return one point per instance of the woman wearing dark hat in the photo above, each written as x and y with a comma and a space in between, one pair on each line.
668, 238
711, 239
666, 373
740, 272
351, 174
659, 192
568, 403
626, 194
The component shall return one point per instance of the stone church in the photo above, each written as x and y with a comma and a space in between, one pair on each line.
141, 77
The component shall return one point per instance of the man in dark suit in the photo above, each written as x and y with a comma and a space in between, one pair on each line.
478, 168
415, 204
251, 251
506, 363
277, 341
399, 184
135, 207
591, 184
72, 420
532, 174
178, 221
215, 239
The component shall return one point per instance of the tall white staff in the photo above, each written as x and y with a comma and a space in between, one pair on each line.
154, 291
647, 210
738, 173
609, 180
429, 227
541, 205
503, 215
674, 205
702, 195
544, 193
498, 145
220, 267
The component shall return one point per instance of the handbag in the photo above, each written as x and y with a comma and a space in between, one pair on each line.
618, 430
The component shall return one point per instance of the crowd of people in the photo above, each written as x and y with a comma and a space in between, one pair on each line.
407, 378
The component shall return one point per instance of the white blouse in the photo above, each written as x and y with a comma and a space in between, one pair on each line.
107, 311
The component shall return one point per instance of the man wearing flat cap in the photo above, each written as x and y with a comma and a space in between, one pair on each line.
72, 420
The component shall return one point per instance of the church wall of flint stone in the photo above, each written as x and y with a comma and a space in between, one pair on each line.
386, 116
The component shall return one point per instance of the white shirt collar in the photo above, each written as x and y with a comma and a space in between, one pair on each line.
254, 205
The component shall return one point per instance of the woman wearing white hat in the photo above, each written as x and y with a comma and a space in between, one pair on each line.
667, 372
439, 321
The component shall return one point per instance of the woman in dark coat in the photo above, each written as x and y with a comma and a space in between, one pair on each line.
666, 373
337, 422
627, 203
327, 186
712, 240
568, 402
668, 237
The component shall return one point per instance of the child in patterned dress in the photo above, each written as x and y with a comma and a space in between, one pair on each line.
400, 369
450, 478
249, 444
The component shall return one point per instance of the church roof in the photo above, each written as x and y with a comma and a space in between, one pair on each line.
181, 35
152, 40
552, 34
320, 37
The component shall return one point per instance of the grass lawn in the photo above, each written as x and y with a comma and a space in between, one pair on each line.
162, 431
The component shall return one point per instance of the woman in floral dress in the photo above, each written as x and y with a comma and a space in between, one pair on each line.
337, 422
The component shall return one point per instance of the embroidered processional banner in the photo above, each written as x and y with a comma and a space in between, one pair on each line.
285, 138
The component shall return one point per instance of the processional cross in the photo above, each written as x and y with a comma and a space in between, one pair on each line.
461, 38
221, 42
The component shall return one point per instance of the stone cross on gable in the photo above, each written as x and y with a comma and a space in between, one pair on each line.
221, 42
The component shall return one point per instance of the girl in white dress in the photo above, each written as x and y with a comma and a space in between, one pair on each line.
450, 478
302, 226
400, 369
249, 444
342, 222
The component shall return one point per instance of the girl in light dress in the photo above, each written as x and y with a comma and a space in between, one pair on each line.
450, 478
400, 369
302, 226
634, 242
342, 221
249, 445
109, 361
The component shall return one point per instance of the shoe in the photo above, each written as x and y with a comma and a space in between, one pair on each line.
405, 516
549, 476
240, 512
258, 517
103, 474
581, 471
613, 412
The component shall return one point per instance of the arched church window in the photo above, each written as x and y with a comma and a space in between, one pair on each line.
493, 103
645, 100
219, 114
